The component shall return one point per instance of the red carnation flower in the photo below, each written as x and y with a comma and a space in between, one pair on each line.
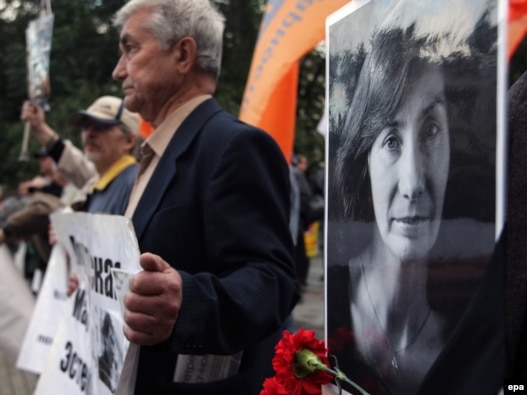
298, 372
302, 367
273, 387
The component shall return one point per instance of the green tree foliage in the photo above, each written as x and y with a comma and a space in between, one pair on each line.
84, 52
241, 32
311, 102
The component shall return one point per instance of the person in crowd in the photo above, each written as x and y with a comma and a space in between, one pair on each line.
294, 222
30, 223
305, 219
54, 181
210, 211
38, 197
392, 168
107, 169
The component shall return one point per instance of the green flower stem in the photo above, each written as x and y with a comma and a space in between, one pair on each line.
307, 362
340, 376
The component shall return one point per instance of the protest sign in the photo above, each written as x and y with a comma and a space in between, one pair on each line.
38, 47
88, 350
44, 323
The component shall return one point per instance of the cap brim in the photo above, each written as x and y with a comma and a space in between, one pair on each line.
81, 116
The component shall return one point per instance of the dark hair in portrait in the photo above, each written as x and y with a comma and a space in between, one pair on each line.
397, 55
435, 92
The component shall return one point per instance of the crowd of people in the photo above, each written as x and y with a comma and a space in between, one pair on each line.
210, 202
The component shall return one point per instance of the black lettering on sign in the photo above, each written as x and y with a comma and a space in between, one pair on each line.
76, 368
44, 339
103, 280
80, 308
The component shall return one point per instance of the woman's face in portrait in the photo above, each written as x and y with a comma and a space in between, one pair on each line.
408, 167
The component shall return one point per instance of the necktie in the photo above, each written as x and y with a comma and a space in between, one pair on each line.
147, 153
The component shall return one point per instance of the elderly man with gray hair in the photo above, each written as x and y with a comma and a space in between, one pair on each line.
210, 211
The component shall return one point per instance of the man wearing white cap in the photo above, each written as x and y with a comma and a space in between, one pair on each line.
107, 169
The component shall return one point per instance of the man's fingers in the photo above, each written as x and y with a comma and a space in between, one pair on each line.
152, 280
147, 283
153, 303
163, 306
153, 263
146, 330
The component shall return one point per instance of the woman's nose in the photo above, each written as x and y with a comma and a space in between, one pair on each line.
412, 172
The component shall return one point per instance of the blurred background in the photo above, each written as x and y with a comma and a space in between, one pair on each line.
84, 52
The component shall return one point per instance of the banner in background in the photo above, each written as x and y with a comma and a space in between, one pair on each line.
289, 30
517, 25
38, 47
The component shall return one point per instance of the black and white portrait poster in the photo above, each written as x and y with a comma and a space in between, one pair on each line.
414, 168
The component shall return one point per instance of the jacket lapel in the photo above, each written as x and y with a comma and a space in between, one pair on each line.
166, 168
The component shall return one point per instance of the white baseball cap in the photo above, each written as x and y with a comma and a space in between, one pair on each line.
108, 110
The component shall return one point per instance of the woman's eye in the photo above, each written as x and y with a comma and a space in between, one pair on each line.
391, 142
431, 129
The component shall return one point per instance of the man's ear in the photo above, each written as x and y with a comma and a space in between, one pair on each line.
185, 54
131, 142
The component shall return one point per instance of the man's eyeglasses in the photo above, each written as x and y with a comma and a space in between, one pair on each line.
95, 126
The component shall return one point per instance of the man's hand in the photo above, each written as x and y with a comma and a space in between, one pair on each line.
34, 115
153, 303
73, 284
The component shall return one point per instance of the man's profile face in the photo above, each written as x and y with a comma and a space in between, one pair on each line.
148, 73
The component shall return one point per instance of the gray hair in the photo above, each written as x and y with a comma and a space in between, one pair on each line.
172, 20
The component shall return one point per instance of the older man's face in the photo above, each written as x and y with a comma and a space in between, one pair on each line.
149, 75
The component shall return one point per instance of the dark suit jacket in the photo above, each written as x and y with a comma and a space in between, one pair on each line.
516, 241
217, 209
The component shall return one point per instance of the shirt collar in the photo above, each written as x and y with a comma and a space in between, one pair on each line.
114, 170
162, 135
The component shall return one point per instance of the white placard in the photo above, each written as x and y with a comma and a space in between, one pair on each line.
88, 351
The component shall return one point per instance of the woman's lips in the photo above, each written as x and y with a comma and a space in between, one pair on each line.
411, 226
